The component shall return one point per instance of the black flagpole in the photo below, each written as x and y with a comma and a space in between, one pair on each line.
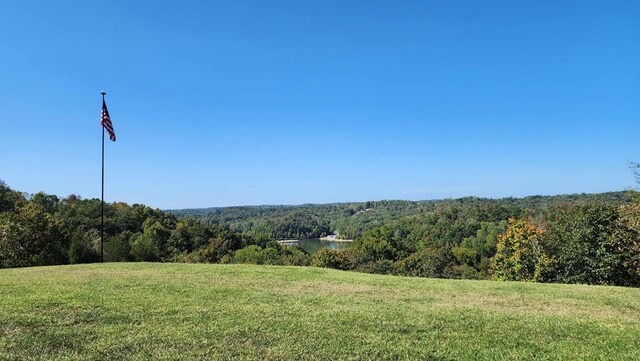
102, 203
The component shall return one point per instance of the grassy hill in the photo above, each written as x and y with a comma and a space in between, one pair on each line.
181, 311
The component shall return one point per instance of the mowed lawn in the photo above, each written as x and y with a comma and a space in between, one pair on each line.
199, 311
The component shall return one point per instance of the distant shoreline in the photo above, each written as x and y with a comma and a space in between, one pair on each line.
333, 238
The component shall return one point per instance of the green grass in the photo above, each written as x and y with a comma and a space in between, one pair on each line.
200, 311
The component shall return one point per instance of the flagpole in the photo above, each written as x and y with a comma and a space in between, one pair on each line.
102, 197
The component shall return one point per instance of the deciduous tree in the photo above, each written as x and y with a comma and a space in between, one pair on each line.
519, 253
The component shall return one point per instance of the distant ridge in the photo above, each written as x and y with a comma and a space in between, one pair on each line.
352, 219
615, 196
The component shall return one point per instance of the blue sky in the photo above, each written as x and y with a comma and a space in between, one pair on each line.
285, 102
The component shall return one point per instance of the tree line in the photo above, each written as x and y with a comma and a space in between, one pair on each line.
352, 220
590, 239
43, 229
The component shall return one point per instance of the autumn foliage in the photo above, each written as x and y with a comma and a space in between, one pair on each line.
519, 253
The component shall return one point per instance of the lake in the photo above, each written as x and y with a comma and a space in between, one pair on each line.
315, 244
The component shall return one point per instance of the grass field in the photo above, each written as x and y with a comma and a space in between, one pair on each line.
200, 311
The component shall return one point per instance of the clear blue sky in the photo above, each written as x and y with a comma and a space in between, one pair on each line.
285, 102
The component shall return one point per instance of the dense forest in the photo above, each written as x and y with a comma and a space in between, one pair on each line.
352, 220
585, 238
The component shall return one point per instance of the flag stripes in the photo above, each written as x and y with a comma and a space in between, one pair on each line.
106, 122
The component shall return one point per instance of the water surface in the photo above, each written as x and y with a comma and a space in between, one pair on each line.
313, 245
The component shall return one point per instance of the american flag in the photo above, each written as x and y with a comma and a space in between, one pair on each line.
106, 122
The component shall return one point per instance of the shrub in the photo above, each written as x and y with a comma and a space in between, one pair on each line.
594, 244
118, 248
428, 262
143, 248
381, 267
294, 256
270, 256
250, 254
83, 246
376, 244
329, 258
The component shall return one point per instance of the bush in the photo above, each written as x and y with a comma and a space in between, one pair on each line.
381, 267
83, 247
428, 262
591, 244
143, 248
294, 256
328, 258
218, 248
118, 248
375, 245
627, 241
270, 256
464, 271
250, 254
